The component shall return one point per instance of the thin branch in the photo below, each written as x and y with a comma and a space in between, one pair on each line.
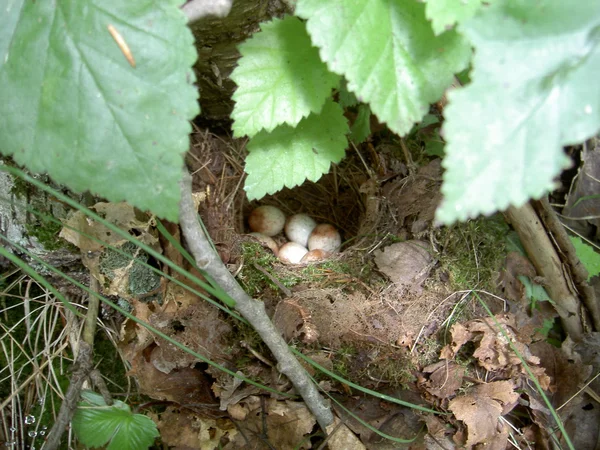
81, 370
198, 9
252, 310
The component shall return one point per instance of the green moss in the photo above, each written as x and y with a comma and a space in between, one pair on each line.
21, 188
343, 359
253, 280
317, 272
473, 252
46, 232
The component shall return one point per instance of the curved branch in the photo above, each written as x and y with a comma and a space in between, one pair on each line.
252, 310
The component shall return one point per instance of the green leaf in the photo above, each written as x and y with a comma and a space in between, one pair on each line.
435, 146
534, 292
72, 105
587, 255
444, 14
97, 425
361, 128
288, 156
387, 51
535, 89
347, 98
280, 78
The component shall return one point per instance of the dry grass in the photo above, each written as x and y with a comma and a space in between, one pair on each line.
38, 338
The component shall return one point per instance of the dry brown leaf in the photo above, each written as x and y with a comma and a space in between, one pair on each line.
122, 215
438, 434
516, 265
481, 409
445, 379
342, 438
407, 264
294, 322
494, 351
286, 424
185, 430
185, 386
198, 327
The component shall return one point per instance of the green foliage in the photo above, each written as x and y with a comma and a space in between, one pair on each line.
587, 255
99, 425
534, 292
74, 107
46, 233
534, 89
444, 14
280, 77
361, 129
288, 156
388, 53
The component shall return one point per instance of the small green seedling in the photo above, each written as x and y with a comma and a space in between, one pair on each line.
115, 427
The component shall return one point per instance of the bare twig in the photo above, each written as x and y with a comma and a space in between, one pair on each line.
252, 310
82, 368
92, 314
197, 9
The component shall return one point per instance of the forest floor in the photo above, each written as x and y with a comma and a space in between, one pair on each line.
440, 318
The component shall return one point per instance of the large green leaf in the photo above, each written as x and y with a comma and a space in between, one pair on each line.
387, 51
444, 14
73, 106
280, 78
97, 424
535, 89
288, 156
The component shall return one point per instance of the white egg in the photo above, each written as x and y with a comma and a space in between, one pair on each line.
292, 252
266, 241
325, 237
267, 220
298, 228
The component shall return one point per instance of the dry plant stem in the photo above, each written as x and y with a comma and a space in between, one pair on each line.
542, 254
81, 370
578, 271
92, 314
252, 310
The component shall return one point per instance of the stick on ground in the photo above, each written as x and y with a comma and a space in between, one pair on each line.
252, 310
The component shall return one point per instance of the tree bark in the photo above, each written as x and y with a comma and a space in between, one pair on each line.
549, 266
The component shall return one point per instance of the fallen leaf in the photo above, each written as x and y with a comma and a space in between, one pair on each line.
480, 411
183, 429
407, 264
445, 378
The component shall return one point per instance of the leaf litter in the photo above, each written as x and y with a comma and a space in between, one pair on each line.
385, 314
